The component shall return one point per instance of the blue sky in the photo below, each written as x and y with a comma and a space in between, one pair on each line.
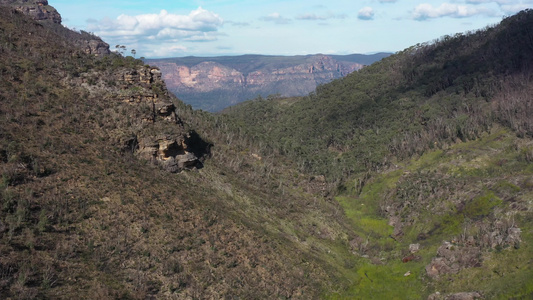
170, 28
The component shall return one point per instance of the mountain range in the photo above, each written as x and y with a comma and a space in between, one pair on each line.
214, 83
411, 178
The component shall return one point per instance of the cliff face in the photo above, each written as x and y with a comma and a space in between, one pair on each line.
213, 84
144, 92
94, 46
38, 9
204, 77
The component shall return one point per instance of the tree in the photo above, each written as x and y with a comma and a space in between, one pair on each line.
120, 49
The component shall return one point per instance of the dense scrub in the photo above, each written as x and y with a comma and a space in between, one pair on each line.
426, 96
82, 217
431, 146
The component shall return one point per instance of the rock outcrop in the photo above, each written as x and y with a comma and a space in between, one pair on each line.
215, 83
94, 46
142, 89
451, 258
170, 152
37, 9
40, 11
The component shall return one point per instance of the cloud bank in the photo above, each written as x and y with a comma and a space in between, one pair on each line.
197, 25
276, 18
152, 31
314, 17
427, 11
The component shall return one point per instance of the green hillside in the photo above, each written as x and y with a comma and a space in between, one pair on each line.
429, 95
429, 145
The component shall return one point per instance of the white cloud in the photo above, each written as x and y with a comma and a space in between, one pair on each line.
159, 26
167, 51
313, 17
159, 35
237, 24
500, 2
427, 11
387, 1
276, 18
509, 8
366, 13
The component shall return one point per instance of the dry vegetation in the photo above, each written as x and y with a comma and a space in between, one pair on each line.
84, 217
299, 198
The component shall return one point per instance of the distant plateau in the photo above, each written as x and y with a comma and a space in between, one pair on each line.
214, 83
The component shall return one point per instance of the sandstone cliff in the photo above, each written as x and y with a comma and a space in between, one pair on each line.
153, 130
94, 45
37, 9
40, 11
215, 83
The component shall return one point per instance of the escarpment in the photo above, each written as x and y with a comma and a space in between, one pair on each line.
215, 83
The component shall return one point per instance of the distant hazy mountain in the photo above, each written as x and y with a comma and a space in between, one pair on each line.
214, 83
409, 179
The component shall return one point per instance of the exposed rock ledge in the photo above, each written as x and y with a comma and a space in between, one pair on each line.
37, 9
154, 132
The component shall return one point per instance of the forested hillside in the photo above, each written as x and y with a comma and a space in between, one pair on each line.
429, 95
112, 188
409, 179
430, 148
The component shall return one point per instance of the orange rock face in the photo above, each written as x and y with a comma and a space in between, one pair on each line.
215, 84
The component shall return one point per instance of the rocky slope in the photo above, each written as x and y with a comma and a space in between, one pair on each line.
91, 206
41, 11
215, 83
38, 9
141, 87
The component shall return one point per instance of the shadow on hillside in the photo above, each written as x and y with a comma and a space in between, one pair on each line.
198, 147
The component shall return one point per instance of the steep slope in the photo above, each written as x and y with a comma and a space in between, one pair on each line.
381, 185
213, 83
90, 208
39, 10
438, 92
429, 153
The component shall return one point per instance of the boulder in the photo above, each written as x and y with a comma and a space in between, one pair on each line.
168, 152
452, 258
414, 248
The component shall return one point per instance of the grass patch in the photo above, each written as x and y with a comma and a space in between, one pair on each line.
478, 180
385, 282
481, 205
502, 276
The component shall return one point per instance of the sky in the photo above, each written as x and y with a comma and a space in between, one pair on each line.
177, 28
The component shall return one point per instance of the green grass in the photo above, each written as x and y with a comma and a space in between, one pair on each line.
506, 274
481, 205
484, 174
